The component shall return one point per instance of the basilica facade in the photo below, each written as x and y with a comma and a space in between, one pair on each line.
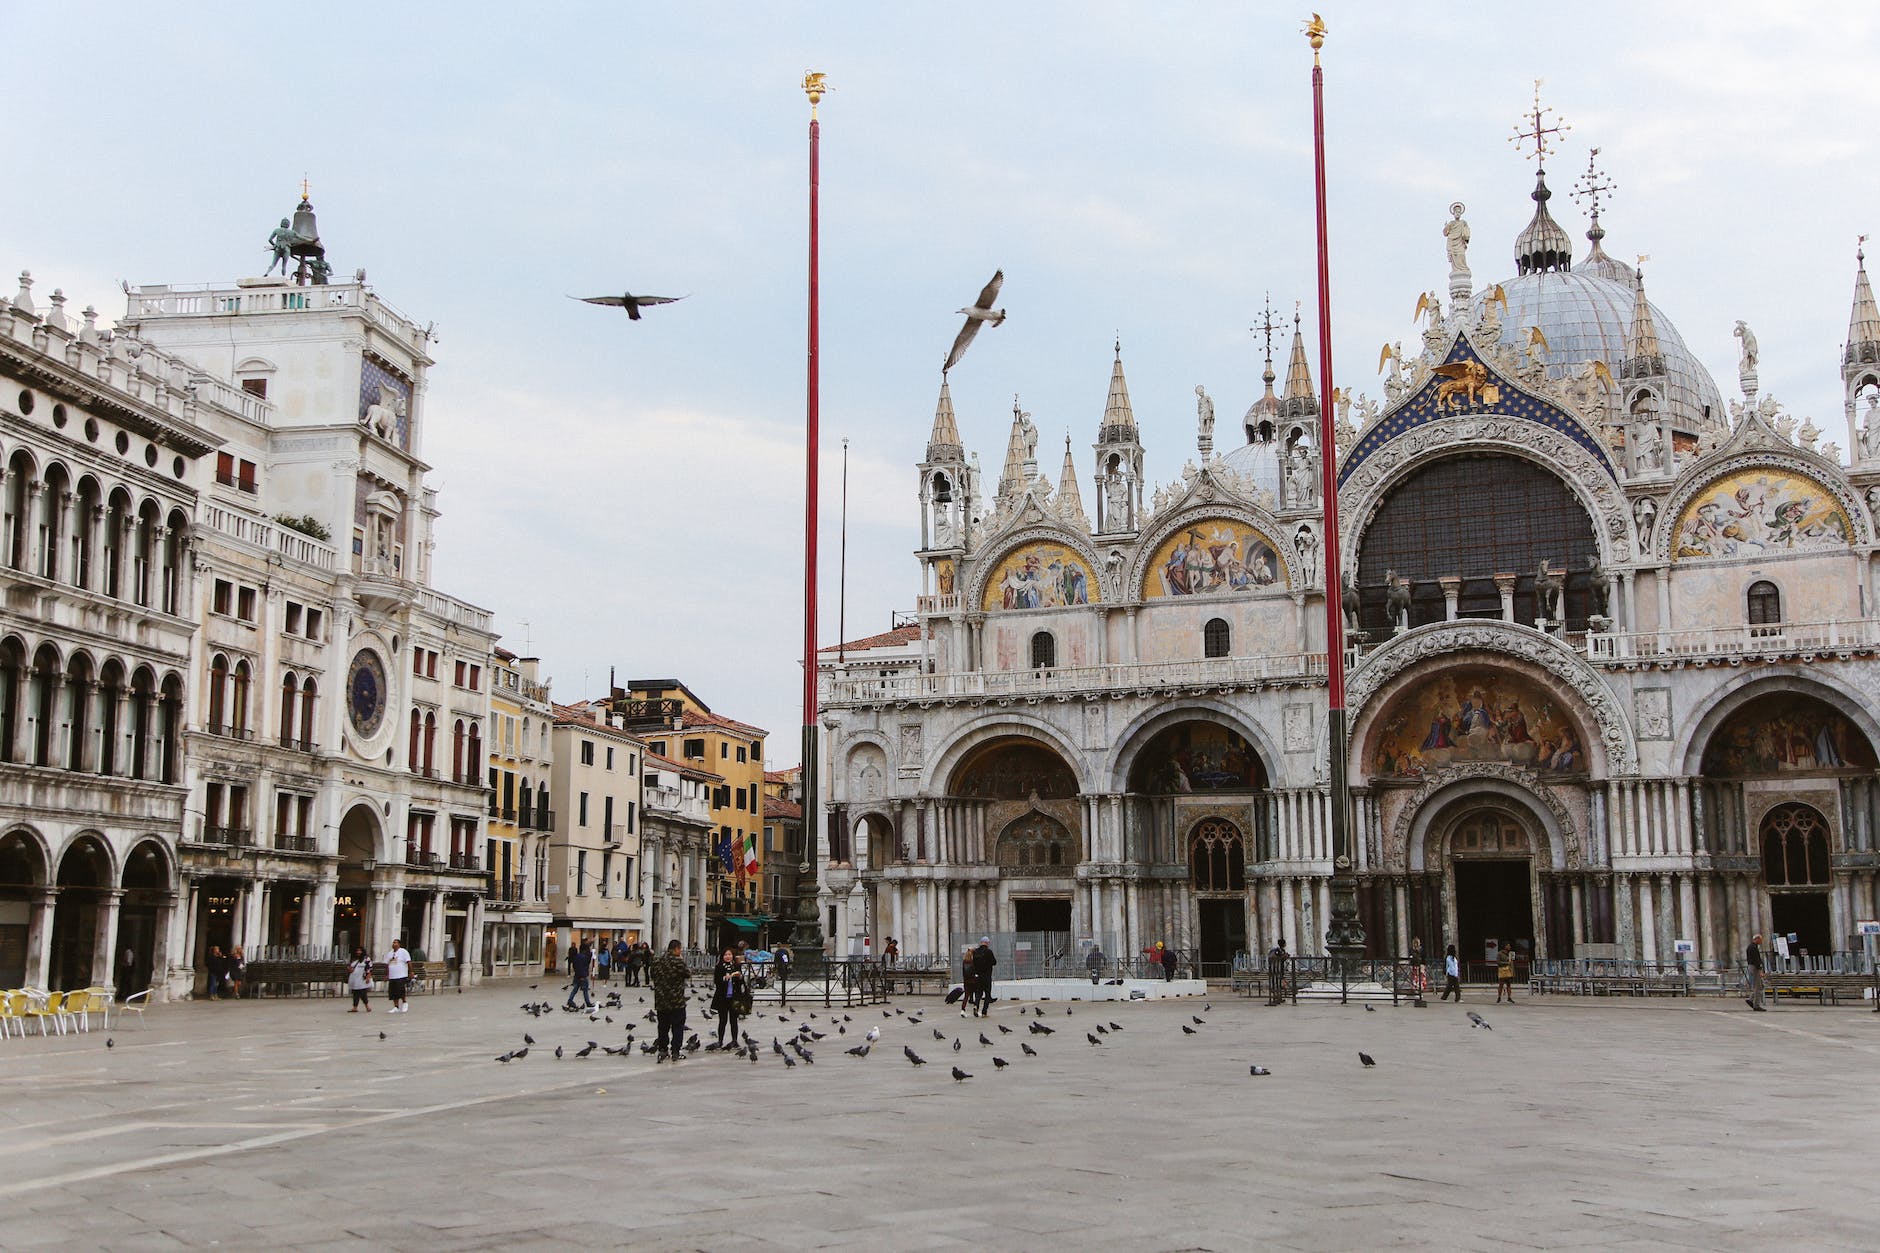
1612, 685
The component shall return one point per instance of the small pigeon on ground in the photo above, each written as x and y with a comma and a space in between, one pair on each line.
1207, 1008
1476, 1020
1029, 1050
591, 1046
527, 1038
956, 1046
1067, 1011
912, 1056
1003, 1029
1257, 1071
1038, 1028
775, 1046
1199, 1022
1370, 1009
1000, 1063
110, 1043
1102, 1030
381, 1035
1187, 1030
1093, 1039
1116, 1026
983, 1042
959, 1074
1038, 1011
860, 1050
558, 1052
789, 1061
886, 1014
939, 1034
1367, 1059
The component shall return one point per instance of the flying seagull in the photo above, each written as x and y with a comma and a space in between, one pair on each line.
628, 301
977, 313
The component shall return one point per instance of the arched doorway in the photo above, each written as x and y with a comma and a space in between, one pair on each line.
22, 883
1796, 845
1025, 796
1491, 855
84, 877
146, 883
358, 862
1217, 871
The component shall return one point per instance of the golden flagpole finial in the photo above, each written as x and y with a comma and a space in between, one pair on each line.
1315, 31
303, 188
814, 85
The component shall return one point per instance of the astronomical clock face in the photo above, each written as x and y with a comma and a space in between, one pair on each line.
365, 693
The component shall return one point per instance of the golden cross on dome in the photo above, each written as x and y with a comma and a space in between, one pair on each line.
1593, 184
303, 189
1267, 326
1538, 135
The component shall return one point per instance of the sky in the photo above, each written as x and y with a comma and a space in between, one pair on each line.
629, 496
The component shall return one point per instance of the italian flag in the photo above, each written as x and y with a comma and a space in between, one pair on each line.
751, 865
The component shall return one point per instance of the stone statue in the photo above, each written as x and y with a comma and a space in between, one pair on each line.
1116, 502
1550, 588
1456, 239
1651, 448
1395, 384
1350, 598
942, 525
1028, 433
1870, 427
1873, 500
1397, 601
1299, 476
1808, 434
1204, 420
1306, 542
1113, 568
1644, 513
1831, 450
1746, 362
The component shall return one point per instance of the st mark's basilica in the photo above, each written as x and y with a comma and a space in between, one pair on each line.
1612, 681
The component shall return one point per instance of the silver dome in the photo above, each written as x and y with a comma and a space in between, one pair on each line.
1259, 462
1586, 317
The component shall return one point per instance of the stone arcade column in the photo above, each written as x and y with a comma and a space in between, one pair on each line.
39, 938
1504, 583
104, 942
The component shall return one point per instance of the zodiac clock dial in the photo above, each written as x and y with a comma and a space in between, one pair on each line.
365, 693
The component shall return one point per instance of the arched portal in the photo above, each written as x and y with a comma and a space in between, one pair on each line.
1217, 869
147, 898
359, 853
1491, 863
22, 883
1797, 843
84, 877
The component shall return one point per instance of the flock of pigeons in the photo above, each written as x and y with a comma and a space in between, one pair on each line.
797, 1047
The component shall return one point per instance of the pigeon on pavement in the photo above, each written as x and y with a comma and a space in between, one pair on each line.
1029, 1050
1000, 1063
959, 1074
1367, 1059
1476, 1020
912, 1056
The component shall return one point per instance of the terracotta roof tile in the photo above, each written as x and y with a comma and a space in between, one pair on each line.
887, 639
775, 808
683, 767
699, 718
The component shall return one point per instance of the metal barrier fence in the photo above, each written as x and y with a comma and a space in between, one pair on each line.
1039, 954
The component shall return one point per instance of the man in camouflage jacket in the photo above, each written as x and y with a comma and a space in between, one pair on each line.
668, 978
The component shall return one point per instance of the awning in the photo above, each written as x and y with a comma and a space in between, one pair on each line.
744, 924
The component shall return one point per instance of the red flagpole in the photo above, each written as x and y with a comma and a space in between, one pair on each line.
1344, 935
807, 932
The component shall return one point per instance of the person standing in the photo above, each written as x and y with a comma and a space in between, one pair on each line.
603, 960
580, 963
668, 976
1504, 972
1452, 975
780, 971
1168, 965
237, 972
359, 981
1093, 962
1753, 974
967, 980
218, 970
1419, 976
891, 953
1276, 972
983, 962
730, 987
397, 976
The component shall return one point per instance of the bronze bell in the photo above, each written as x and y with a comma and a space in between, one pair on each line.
308, 230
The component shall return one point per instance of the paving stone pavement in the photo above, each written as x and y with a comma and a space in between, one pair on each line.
1572, 1124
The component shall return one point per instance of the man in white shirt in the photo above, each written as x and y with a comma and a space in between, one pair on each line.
397, 972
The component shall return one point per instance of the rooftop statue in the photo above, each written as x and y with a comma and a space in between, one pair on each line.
1456, 238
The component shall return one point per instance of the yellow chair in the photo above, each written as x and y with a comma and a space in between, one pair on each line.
13, 1013
80, 1005
44, 1007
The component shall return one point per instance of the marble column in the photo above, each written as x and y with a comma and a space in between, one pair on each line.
104, 940
39, 939
1647, 919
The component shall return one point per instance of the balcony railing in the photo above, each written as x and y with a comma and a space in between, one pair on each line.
416, 857
510, 893
240, 837
544, 820
298, 746
286, 843
1775, 639
463, 861
229, 732
509, 815
425, 772
613, 832
1204, 672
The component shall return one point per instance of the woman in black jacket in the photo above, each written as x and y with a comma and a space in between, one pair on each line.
730, 992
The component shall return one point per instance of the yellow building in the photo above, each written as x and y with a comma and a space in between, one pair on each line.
521, 819
675, 723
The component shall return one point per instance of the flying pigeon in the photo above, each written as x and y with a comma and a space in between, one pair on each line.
628, 301
959, 1074
1367, 1059
977, 313
1476, 1020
